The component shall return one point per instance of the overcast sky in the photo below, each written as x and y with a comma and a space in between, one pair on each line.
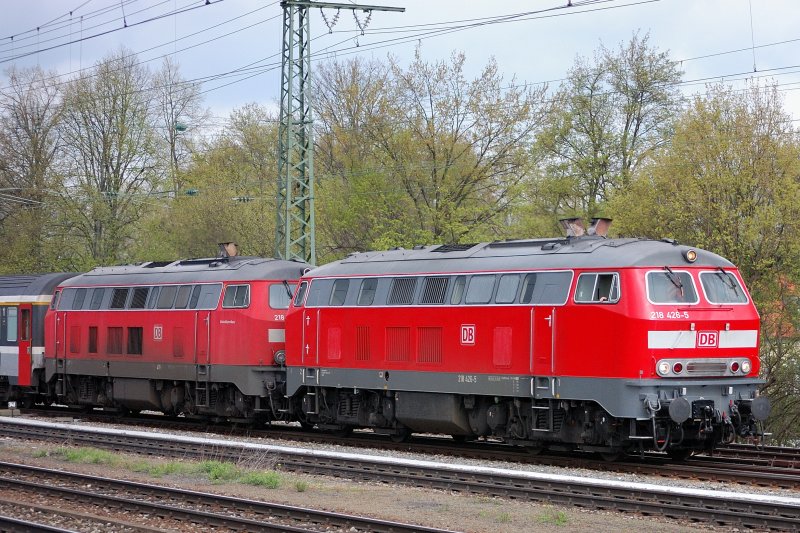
213, 40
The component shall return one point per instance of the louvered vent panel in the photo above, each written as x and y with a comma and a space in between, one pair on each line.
402, 291
435, 289
334, 344
429, 347
398, 344
362, 343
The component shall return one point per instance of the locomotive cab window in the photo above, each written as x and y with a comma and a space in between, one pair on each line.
722, 287
280, 294
236, 296
598, 288
458, 290
54, 301
182, 298
80, 297
671, 287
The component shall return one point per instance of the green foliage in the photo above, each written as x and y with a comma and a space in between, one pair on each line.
301, 486
87, 456
219, 471
553, 517
270, 480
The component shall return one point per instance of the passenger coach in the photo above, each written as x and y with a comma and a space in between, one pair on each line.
200, 336
582, 342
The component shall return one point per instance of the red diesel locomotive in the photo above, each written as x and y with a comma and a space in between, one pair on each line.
609, 345
200, 337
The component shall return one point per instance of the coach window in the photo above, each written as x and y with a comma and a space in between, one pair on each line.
507, 289
301, 294
77, 301
402, 292
236, 296
182, 299
434, 290
118, 298
139, 298
167, 296
55, 300
10, 323
153, 299
97, 298
597, 288
458, 290
670, 287
339, 292
480, 288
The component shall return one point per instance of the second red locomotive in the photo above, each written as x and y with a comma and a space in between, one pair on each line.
610, 345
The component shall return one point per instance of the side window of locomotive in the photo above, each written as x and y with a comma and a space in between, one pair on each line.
599, 287
97, 298
209, 296
458, 290
153, 299
118, 298
722, 288
301, 294
236, 296
339, 292
402, 292
507, 289
434, 290
139, 298
78, 299
670, 287
280, 294
366, 293
193, 301
182, 298
167, 296
480, 289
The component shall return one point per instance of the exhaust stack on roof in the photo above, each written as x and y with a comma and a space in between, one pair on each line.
599, 227
573, 226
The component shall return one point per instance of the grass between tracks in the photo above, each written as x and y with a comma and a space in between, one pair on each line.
257, 471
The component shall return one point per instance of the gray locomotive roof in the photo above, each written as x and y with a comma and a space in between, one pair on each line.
31, 285
192, 271
575, 252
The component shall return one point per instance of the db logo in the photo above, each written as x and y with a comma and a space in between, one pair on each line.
707, 339
158, 333
468, 334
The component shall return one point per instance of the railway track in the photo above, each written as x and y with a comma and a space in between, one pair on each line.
769, 467
713, 507
177, 508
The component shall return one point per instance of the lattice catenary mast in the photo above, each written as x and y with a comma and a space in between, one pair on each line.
294, 228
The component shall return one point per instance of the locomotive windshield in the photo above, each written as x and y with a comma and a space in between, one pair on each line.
722, 288
280, 294
671, 287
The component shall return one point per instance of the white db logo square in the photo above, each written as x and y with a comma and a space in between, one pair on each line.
158, 332
468, 334
707, 339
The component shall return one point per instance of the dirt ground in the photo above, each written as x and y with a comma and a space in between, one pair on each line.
433, 508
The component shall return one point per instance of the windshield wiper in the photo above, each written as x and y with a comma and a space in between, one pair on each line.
673, 277
288, 290
726, 278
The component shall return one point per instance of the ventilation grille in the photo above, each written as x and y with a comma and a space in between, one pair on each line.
402, 291
398, 344
334, 343
501, 355
453, 248
696, 368
435, 289
429, 347
362, 343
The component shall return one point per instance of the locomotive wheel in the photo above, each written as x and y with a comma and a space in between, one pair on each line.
402, 435
680, 454
611, 457
534, 450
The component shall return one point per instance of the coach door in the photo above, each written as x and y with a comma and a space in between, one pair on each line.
24, 332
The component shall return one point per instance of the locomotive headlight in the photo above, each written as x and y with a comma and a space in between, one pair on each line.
690, 255
280, 357
677, 368
663, 368
746, 366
